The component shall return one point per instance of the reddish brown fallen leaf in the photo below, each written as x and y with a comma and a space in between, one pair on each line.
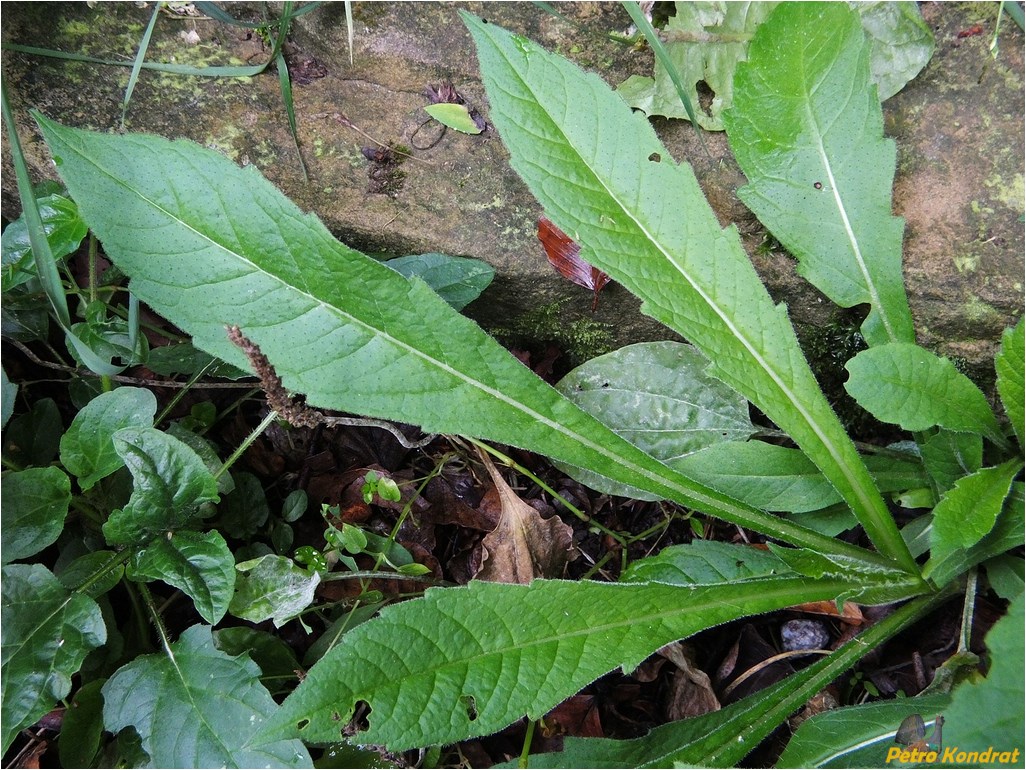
972, 31
691, 692
523, 546
564, 254
849, 614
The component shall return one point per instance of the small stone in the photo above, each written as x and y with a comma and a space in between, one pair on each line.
804, 635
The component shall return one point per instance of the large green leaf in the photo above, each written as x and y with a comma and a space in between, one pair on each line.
723, 738
208, 244
704, 562
87, 448
47, 631
658, 396
1010, 378
199, 564
36, 502
907, 385
989, 714
170, 481
468, 661
195, 706
807, 130
606, 180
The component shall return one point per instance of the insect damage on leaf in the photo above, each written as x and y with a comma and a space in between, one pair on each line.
564, 254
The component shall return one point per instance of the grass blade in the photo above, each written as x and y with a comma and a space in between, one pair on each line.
140, 57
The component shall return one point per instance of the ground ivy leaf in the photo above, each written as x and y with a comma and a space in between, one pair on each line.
87, 449
968, 511
457, 280
47, 631
32, 517
170, 482
195, 706
1009, 366
907, 385
990, 713
807, 130
508, 650
272, 587
199, 564
64, 231
658, 396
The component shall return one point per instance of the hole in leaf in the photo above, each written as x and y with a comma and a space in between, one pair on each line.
470, 705
336, 717
655, 157
303, 724
358, 721
705, 96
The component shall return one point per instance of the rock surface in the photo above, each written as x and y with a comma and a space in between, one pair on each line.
959, 129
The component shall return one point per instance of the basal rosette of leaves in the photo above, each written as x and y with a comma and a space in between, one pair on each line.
208, 244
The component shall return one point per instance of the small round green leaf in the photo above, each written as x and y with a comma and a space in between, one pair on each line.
455, 116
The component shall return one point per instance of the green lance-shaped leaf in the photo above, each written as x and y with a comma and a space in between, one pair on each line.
807, 130
1009, 366
195, 706
47, 631
468, 661
208, 244
199, 564
909, 386
704, 562
606, 180
36, 502
969, 510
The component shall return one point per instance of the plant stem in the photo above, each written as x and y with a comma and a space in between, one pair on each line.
528, 737
151, 606
253, 436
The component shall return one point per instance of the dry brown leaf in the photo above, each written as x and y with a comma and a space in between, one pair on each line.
523, 546
691, 693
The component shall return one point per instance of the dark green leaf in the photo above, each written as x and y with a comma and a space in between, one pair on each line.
272, 587
207, 450
417, 664
36, 502
185, 359
197, 707
34, 438
82, 726
457, 280
990, 713
170, 482
200, 565
1009, 366
807, 130
1006, 575
8, 392
87, 448
968, 511
244, 510
295, 505
658, 396
276, 659
103, 567
909, 386
47, 632
64, 231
